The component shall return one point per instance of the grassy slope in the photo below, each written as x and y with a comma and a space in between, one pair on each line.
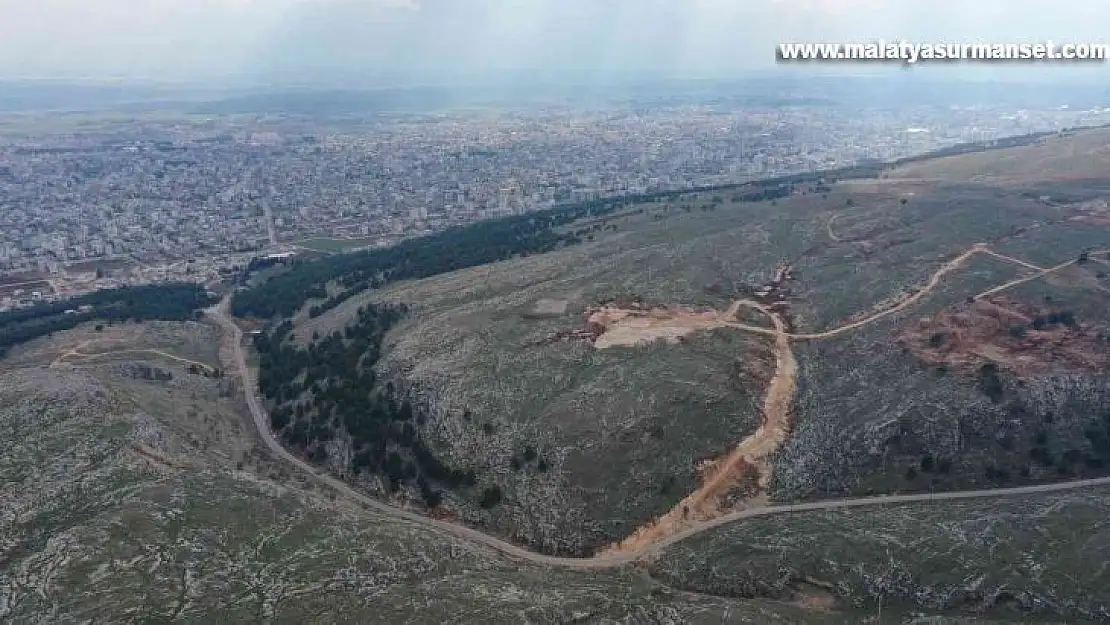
1081, 155
94, 530
866, 412
197, 341
613, 425
1029, 558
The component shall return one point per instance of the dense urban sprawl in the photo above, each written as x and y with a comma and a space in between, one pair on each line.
99, 202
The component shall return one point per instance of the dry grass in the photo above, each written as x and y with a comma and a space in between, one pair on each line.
1036, 559
1085, 155
197, 341
128, 500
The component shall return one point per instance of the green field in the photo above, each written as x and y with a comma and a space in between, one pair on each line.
335, 246
108, 265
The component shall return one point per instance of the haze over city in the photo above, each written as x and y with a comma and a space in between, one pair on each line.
379, 42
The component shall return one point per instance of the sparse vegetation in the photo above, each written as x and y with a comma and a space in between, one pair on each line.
105, 474
1029, 559
422, 385
459, 353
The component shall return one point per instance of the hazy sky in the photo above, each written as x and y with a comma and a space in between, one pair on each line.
299, 39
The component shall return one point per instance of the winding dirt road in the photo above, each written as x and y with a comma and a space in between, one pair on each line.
829, 228
76, 351
780, 394
917, 296
1012, 283
929, 287
1011, 259
78, 354
752, 454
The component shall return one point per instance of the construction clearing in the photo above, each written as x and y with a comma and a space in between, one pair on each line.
1024, 339
615, 327
984, 330
727, 483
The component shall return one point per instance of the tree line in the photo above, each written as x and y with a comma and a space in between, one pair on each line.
442, 252
329, 389
472, 245
493, 240
168, 302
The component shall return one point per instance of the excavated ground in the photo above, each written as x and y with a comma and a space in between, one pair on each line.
740, 479
1002, 332
631, 326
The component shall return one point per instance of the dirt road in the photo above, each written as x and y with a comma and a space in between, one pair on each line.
1011, 284
926, 289
156, 352
934, 280
780, 394
76, 351
752, 454
829, 228
234, 337
1011, 259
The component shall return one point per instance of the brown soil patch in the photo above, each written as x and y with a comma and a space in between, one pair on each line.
756, 366
631, 325
622, 326
815, 596
1002, 332
740, 479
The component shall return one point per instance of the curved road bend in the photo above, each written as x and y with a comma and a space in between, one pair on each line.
605, 561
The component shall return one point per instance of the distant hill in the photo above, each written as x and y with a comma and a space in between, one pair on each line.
354, 97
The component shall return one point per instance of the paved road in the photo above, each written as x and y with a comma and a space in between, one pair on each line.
271, 232
609, 560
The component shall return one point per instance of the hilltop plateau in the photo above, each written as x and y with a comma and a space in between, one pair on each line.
944, 331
